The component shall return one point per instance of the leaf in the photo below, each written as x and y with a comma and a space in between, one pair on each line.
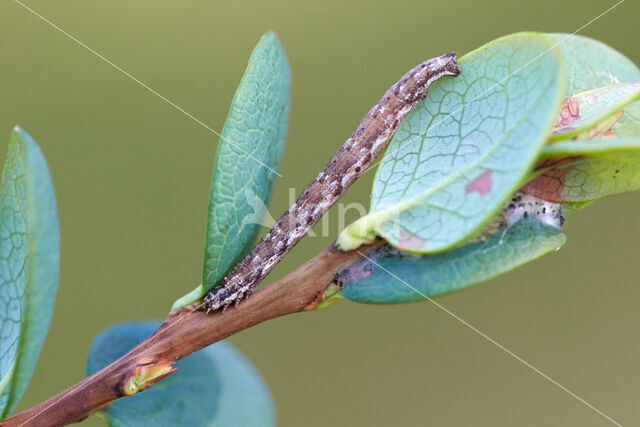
592, 64
585, 110
29, 264
248, 156
372, 280
569, 208
589, 147
588, 169
214, 386
464, 150
629, 123
585, 178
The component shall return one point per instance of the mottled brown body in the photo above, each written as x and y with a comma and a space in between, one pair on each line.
352, 159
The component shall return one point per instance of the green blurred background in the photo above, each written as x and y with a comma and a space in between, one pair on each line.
132, 176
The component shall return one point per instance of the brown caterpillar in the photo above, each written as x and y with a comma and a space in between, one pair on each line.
352, 159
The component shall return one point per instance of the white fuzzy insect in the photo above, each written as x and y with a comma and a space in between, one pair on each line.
522, 206
525, 206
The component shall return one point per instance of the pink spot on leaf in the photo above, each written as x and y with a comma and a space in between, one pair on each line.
569, 113
548, 186
410, 242
481, 184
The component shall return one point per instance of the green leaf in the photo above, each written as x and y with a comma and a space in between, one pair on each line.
589, 147
589, 177
629, 123
569, 208
372, 280
592, 64
215, 386
246, 163
465, 149
588, 169
29, 264
585, 110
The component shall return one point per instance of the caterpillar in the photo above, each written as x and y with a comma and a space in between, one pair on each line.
352, 159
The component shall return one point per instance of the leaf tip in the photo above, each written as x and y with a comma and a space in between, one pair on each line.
270, 37
18, 134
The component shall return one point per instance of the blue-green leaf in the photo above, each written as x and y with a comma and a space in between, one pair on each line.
372, 280
463, 151
592, 64
215, 386
29, 264
246, 163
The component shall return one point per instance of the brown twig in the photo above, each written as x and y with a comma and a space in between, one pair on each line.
187, 331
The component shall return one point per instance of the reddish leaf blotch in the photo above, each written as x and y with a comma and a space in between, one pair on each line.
481, 184
547, 186
410, 242
569, 113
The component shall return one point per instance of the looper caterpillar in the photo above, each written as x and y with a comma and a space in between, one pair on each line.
352, 159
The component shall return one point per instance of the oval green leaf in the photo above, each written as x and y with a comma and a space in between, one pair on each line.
246, 164
465, 149
29, 264
392, 276
214, 386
